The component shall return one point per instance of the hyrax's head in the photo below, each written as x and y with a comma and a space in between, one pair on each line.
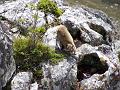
71, 48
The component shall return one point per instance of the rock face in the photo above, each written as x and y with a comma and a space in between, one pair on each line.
22, 81
97, 67
20, 11
83, 20
99, 76
7, 64
61, 76
50, 37
94, 67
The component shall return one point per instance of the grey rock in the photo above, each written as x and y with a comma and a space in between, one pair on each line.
98, 27
99, 80
50, 37
34, 86
59, 2
22, 81
117, 46
85, 37
18, 11
7, 63
61, 76
95, 29
117, 85
88, 26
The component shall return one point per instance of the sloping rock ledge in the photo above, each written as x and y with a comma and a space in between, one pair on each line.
94, 67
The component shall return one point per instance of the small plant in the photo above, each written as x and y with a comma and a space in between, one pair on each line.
38, 73
29, 56
21, 20
36, 33
48, 6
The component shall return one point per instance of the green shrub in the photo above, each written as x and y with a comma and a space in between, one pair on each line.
38, 73
29, 56
37, 30
48, 6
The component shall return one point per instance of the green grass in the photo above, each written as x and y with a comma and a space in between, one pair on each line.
28, 56
97, 4
48, 6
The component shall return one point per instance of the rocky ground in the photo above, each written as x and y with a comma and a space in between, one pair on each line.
95, 65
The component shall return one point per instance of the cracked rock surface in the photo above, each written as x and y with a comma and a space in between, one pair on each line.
95, 66
98, 62
7, 63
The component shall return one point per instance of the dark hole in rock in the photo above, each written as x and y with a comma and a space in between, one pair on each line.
89, 65
74, 31
99, 29
8, 86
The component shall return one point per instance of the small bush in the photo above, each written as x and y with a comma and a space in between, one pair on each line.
48, 6
37, 30
38, 73
29, 56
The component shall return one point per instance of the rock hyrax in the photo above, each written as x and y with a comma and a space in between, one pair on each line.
66, 39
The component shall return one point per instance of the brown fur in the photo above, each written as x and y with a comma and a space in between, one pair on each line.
66, 39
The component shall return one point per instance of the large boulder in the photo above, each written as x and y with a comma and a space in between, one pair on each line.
61, 76
96, 58
98, 68
84, 20
7, 63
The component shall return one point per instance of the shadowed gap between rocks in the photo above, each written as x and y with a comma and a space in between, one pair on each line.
75, 33
89, 65
99, 29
